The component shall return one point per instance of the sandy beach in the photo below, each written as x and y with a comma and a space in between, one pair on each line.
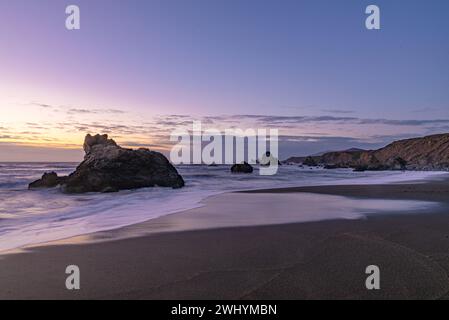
313, 260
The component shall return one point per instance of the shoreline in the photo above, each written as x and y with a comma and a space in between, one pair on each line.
308, 260
115, 211
354, 191
170, 223
134, 229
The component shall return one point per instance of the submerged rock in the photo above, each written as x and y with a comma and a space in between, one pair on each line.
242, 168
108, 167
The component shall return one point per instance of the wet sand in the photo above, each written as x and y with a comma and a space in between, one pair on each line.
312, 260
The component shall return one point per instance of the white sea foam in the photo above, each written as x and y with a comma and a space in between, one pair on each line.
30, 217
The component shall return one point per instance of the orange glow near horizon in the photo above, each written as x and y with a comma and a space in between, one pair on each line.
33, 124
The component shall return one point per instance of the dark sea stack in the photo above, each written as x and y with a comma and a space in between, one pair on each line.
242, 168
48, 180
108, 167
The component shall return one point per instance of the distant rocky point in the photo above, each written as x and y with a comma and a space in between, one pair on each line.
107, 167
426, 153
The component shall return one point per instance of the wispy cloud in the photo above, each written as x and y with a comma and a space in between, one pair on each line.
337, 111
268, 119
299, 134
42, 105
94, 111
427, 110
79, 110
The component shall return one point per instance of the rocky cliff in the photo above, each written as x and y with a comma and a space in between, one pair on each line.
426, 153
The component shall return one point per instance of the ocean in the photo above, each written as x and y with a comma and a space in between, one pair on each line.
36, 216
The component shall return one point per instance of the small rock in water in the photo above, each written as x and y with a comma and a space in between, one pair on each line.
48, 180
242, 168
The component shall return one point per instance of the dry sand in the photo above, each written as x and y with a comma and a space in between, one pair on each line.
313, 260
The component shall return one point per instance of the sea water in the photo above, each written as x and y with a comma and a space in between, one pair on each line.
35, 216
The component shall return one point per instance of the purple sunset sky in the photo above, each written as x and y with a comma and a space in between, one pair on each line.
139, 69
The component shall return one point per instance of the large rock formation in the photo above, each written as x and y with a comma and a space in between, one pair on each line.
108, 167
427, 153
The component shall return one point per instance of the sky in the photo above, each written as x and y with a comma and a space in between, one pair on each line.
139, 69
